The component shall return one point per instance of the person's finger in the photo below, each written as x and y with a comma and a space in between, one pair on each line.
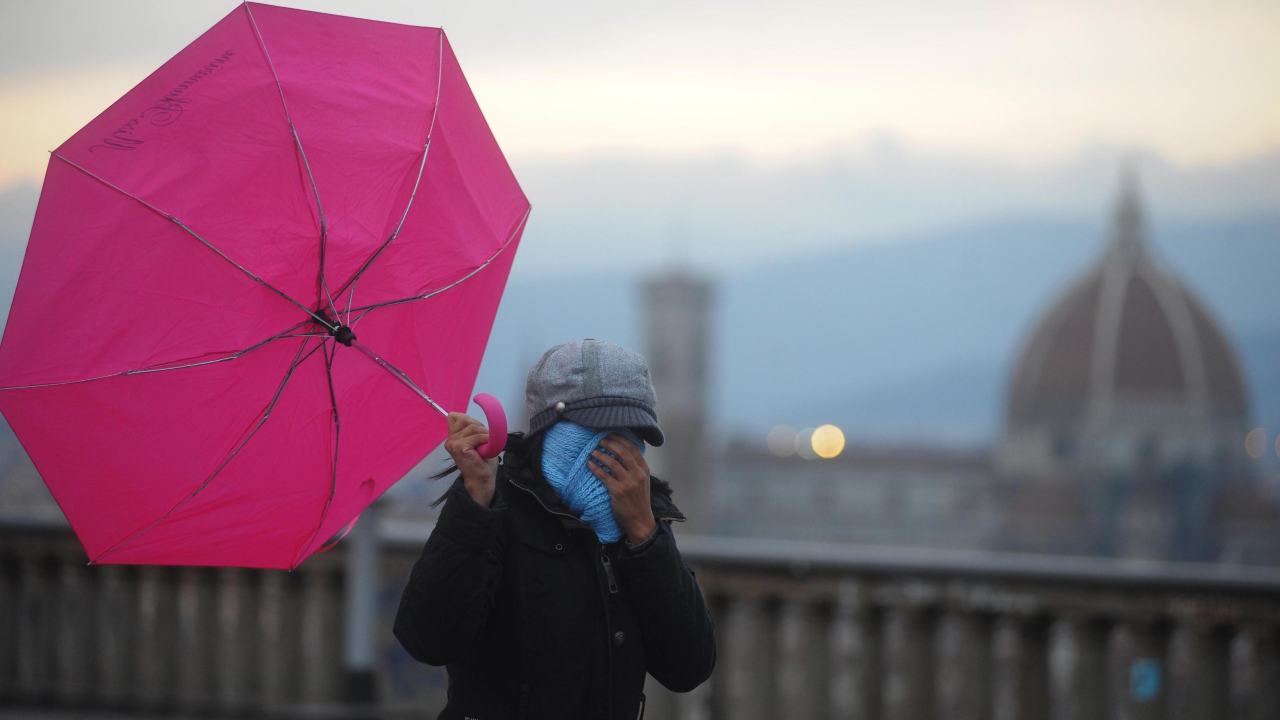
458, 421
466, 440
603, 458
623, 448
472, 438
629, 455
611, 482
600, 472
471, 428
608, 463
618, 451
458, 432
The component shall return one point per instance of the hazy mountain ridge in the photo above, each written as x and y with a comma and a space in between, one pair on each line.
937, 324
908, 338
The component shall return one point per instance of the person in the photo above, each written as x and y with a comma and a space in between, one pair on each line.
552, 583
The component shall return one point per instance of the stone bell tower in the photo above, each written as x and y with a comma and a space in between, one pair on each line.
677, 306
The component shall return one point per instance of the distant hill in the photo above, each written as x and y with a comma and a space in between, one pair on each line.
909, 338
922, 334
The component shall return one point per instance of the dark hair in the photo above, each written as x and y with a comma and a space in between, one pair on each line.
451, 469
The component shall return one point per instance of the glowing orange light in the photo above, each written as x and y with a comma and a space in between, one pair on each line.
827, 441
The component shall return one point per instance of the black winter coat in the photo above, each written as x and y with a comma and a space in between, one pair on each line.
536, 619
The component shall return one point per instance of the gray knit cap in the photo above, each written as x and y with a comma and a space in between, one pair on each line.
595, 384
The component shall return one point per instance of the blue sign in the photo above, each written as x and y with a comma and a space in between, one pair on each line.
1144, 679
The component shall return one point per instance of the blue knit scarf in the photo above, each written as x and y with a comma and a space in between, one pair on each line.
566, 450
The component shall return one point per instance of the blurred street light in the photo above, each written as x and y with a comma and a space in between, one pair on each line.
827, 442
804, 444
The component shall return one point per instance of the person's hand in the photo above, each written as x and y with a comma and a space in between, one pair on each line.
478, 474
626, 475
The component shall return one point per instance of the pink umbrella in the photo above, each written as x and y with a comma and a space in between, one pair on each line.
181, 360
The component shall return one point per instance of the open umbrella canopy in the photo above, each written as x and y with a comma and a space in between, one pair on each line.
236, 275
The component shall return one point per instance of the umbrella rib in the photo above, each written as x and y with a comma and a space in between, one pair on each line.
298, 359
185, 228
435, 112
333, 475
166, 367
400, 375
321, 282
366, 309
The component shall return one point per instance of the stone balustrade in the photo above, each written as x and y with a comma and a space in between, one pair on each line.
805, 630
816, 630
182, 640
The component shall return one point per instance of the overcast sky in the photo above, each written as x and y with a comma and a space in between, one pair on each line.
699, 127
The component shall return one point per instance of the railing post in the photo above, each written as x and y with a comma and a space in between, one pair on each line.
195, 674
33, 681
964, 665
1267, 663
1140, 672
908, 662
114, 626
9, 624
746, 654
150, 649
72, 630
318, 664
231, 656
1199, 657
361, 608
855, 655
1020, 669
271, 616
1077, 668
801, 671
1255, 673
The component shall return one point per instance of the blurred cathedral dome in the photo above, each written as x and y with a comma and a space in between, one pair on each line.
1126, 366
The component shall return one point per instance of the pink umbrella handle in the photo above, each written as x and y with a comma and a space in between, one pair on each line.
496, 418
